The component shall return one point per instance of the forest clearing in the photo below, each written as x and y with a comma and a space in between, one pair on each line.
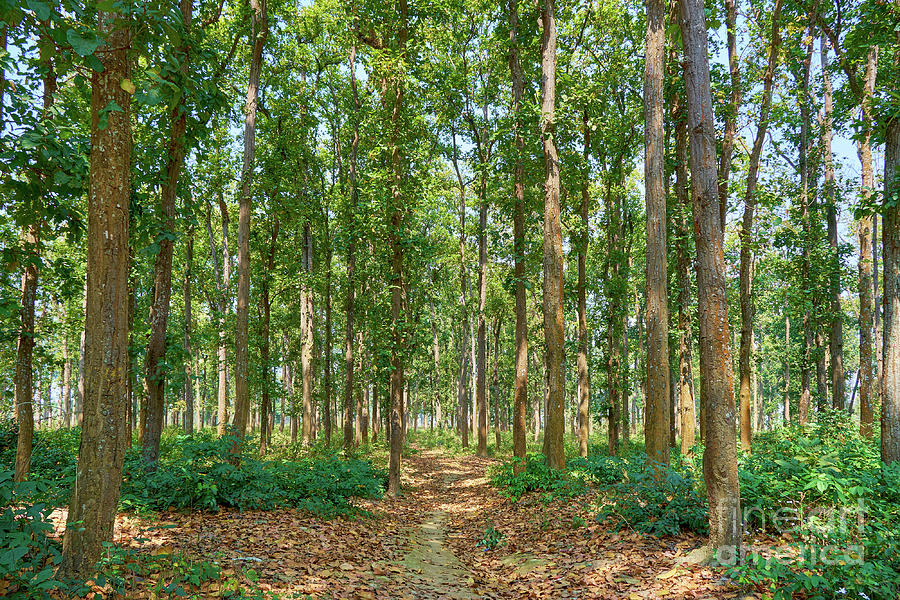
463, 299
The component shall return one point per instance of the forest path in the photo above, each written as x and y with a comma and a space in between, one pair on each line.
429, 544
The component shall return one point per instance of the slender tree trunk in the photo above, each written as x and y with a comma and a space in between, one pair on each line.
804, 167
787, 364
746, 266
264, 346
67, 382
349, 306
24, 374
717, 389
617, 293
395, 90
306, 338
95, 496
258, 34
584, 379
520, 384
481, 358
864, 232
554, 331
188, 371
657, 408
495, 383
890, 407
462, 384
836, 333
686, 403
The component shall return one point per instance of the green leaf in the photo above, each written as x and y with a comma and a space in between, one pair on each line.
83, 45
41, 9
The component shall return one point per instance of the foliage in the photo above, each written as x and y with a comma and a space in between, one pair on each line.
492, 539
517, 477
659, 501
824, 488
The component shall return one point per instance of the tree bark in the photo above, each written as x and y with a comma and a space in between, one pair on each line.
717, 390
890, 407
554, 332
188, 370
746, 265
95, 496
734, 107
155, 358
306, 338
836, 332
258, 32
584, 378
349, 304
657, 408
864, 233
806, 226
23, 392
520, 383
264, 346
686, 403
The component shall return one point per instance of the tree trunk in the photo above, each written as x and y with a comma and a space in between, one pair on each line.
264, 343
188, 371
554, 332
584, 379
836, 333
481, 359
864, 232
890, 407
67, 382
787, 364
657, 409
462, 387
686, 403
495, 384
24, 374
520, 384
746, 265
349, 306
258, 32
306, 337
95, 496
717, 390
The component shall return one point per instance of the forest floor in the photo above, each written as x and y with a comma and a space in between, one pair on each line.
431, 543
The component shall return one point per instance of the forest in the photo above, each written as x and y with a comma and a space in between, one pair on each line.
455, 299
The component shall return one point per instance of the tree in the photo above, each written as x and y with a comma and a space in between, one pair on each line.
716, 387
554, 329
92, 508
658, 408
746, 266
259, 30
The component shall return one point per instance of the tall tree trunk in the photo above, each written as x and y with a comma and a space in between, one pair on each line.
890, 407
657, 410
67, 382
95, 496
717, 389
495, 383
617, 293
787, 364
155, 358
188, 370
395, 90
746, 266
264, 346
24, 374
437, 363
520, 383
554, 331
584, 378
259, 30
686, 403
864, 232
349, 306
481, 359
462, 387
223, 285
806, 226
836, 332
306, 337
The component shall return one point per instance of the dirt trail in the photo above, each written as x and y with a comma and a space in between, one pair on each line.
425, 545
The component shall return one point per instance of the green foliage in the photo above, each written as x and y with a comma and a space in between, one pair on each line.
492, 539
197, 472
517, 477
825, 488
29, 556
662, 503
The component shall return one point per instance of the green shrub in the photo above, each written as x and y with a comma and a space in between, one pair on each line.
534, 475
659, 506
196, 472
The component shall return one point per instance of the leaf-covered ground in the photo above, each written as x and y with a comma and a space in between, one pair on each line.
431, 543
